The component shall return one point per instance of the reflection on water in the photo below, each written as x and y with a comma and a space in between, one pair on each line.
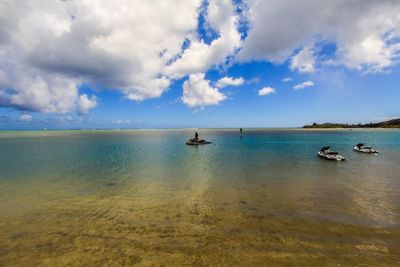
143, 197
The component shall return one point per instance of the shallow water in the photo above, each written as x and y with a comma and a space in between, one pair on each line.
118, 198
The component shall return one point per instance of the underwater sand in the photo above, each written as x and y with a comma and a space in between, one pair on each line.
141, 197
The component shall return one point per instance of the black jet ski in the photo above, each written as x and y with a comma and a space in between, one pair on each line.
194, 142
365, 149
330, 155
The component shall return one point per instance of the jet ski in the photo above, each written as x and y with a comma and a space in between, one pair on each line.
365, 149
194, 142
330, 155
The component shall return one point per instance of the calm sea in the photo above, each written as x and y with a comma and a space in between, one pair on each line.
125, 197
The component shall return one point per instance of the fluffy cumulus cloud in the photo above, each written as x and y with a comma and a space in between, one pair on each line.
200, 56
48, 48
266, 91
197, 91
229, 81
365, 32
303, 61
287, 79
303, 85
86, 103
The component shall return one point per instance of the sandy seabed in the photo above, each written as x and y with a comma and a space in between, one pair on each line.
240, 227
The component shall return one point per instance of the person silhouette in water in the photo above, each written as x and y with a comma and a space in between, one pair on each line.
196, 136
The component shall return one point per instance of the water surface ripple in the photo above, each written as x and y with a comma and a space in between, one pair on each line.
119, 198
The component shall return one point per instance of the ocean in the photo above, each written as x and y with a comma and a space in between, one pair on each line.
126, 197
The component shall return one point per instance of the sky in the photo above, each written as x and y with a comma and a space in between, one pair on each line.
89, 64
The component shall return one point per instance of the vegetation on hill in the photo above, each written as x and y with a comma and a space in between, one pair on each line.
395, 123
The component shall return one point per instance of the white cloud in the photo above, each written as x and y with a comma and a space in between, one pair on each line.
197, 91
140, 47
229, 81
373, 51
200, 56
266, 91
287, 79
136, 47
303, 61
86, 103
366, 33
303, 85
25, 117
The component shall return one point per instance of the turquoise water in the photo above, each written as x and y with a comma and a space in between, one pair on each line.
70, 181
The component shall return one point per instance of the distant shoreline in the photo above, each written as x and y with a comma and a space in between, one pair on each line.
390, 124
395, 123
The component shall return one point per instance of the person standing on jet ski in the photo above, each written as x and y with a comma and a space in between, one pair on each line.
196, 136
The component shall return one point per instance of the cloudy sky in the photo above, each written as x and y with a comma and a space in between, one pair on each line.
193, 63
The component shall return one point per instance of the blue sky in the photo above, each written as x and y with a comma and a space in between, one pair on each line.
222, 64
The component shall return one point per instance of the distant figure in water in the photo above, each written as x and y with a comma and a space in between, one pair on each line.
196, 136
241, 131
